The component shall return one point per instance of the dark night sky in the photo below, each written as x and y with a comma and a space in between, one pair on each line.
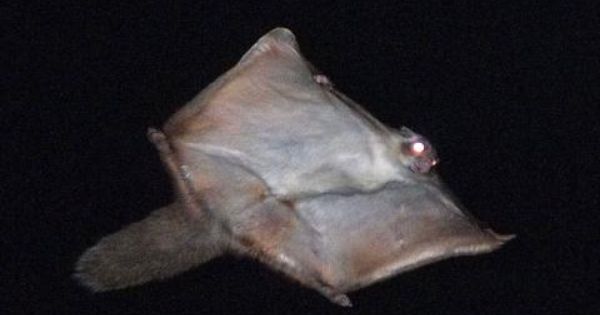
507, 93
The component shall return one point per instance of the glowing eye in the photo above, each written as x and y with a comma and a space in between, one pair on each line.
418, 147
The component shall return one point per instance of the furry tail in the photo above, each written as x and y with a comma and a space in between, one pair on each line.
165, 243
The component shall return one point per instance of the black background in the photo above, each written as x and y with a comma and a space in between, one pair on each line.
507, 93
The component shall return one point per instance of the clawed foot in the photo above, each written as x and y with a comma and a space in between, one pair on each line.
336, 297
323, 80
341, 300
160, 140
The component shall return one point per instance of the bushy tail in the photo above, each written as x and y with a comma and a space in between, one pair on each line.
165, 243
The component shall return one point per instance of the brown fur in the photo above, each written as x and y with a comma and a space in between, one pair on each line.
165, 243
